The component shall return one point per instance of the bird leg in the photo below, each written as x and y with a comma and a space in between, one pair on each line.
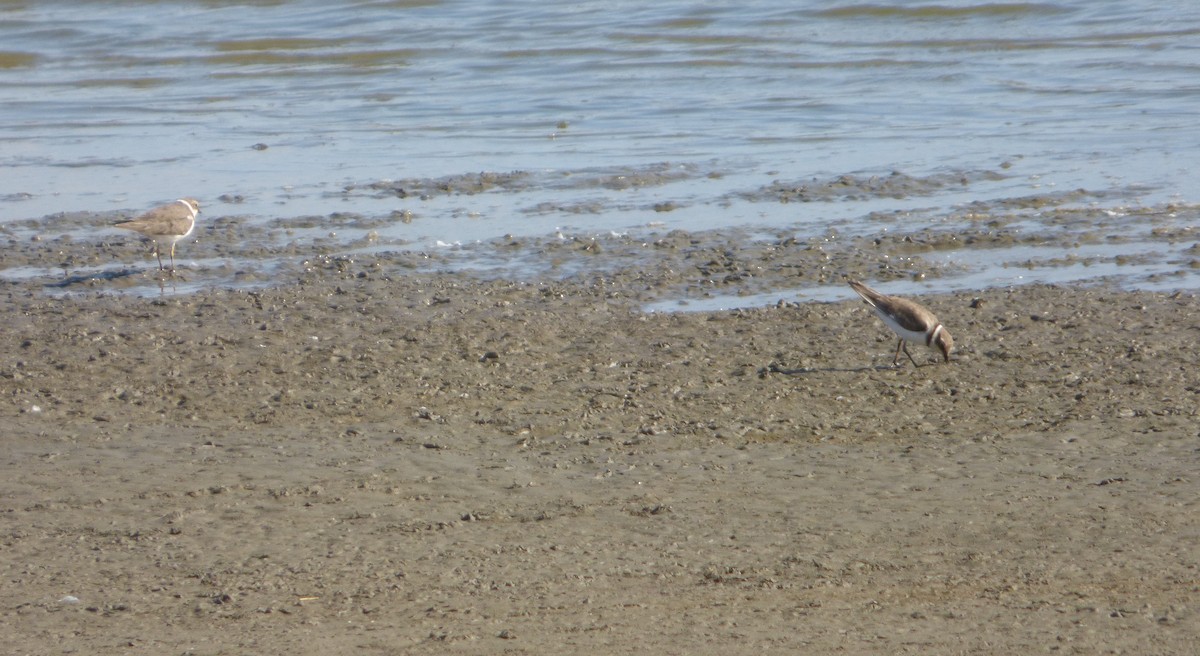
904, 347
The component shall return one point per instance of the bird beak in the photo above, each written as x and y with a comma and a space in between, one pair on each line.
945, 346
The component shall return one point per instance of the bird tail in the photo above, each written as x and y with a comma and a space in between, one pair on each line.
868, 295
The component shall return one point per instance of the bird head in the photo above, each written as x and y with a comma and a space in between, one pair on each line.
944, 342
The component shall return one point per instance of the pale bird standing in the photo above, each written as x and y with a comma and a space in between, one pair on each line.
166, 224
911, 321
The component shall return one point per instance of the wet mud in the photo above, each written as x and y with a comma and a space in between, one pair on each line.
386, 452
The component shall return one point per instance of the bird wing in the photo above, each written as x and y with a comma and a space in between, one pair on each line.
161, 221
907, 314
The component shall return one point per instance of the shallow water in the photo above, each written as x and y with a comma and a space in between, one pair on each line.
597, 118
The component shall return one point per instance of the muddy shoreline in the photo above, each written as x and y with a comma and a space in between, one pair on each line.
379, 459
651, 246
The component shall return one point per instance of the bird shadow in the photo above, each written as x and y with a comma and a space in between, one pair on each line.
802, 371
164, 279
84, 279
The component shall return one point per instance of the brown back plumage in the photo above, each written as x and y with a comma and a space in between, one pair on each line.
171, 220
910, 315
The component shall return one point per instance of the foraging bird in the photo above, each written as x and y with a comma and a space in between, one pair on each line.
911, 321
166, 223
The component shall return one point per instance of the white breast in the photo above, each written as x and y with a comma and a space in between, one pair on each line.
916, 337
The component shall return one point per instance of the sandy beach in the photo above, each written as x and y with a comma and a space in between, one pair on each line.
374, 460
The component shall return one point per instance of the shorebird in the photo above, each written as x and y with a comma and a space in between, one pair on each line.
166, 223
911, 321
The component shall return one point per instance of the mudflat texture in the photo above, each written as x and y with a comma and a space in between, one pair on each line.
372, 460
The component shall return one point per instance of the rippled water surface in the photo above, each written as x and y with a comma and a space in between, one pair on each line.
610, 116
